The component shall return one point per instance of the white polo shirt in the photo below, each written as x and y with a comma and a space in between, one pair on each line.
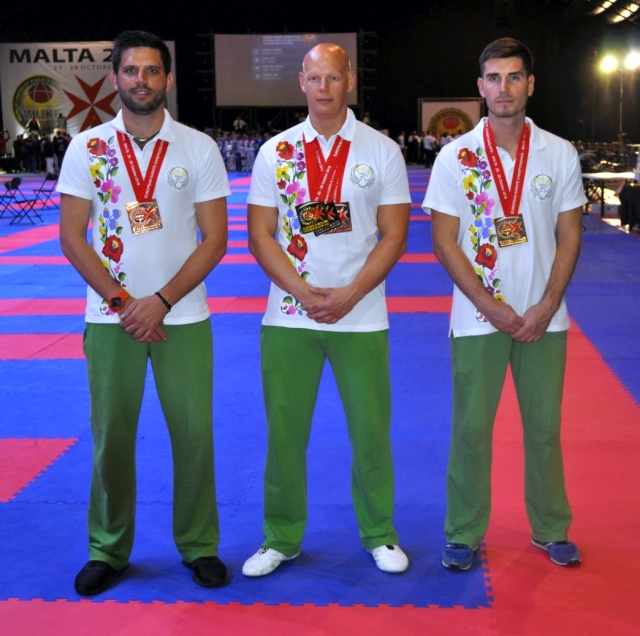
375, 175
192, 172
553, 184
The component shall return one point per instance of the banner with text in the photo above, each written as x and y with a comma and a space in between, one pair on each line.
61, 78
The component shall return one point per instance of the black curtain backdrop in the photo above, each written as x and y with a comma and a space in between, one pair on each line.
425, 49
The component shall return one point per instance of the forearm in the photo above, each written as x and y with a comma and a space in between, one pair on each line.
378, 265
564, 264
195, 269
277, 266
88, 264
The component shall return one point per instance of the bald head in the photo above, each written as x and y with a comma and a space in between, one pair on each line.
327, 52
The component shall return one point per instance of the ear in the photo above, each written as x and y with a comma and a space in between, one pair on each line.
351, 80
169, 80
481, 86
531, 85
302, 86
114, 80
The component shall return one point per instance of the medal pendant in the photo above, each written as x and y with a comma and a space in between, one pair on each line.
510, 230
144, 216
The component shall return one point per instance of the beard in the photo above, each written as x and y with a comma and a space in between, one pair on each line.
142, 108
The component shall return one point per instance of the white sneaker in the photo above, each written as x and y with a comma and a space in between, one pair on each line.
264, 561
390, 558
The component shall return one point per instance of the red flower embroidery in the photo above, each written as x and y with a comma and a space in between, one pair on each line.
487, 255
468, 158
113, 248
97, 147
285, 150
469, 195
97, 183
282, 184
298, 247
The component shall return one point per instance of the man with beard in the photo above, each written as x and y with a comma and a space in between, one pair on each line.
147, 184
327, 189
506, 204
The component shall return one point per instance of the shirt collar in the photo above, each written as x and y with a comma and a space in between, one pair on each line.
347, 131
536, 142
167, 132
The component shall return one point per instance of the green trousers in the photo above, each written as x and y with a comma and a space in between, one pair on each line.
479, 368
292, 363
183, 372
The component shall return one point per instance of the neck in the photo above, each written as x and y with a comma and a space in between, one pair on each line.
507, 131
328, 127
143, 126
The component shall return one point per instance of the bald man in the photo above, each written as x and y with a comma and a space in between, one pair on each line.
334, 193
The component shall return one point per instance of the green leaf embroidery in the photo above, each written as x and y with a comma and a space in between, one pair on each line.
118, 230
121, 276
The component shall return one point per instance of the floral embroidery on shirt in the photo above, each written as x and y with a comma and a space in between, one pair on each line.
103, 166
290, 169
482, 234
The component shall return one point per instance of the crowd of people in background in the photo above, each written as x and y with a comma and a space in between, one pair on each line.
418, 149
36, 150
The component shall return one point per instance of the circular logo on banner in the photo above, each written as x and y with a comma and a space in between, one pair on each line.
541, 186
362, 175
450, 120
37, 95
177, 177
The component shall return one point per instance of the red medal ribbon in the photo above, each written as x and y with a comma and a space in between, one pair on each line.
509, 197
325, 176
142, 187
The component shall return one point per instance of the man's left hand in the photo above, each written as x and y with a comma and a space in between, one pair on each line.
142, 317
337, 303
536, 321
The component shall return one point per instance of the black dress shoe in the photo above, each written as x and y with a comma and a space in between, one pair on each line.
94, 578
208, 571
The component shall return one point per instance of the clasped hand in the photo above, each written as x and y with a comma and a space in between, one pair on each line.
142, 319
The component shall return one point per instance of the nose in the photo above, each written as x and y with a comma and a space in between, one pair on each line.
504, 85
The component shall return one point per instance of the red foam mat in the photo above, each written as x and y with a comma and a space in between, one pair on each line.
22, 618
22, 460
26, 238
40, 346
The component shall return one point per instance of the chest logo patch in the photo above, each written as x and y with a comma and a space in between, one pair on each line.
362, 175
541, 186
177, 178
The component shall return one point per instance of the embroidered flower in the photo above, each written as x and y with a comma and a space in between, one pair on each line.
298, 247
111, 190
113, 162
294, 188
468, 158
483, 198
97, 183
94, 169
282, 184
467, 182
111, 152
487, 256
97, 147
285, 150
113, 248
282, 171
301, 165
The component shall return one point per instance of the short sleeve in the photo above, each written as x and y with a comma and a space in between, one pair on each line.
573, 195
212, 182
396, 182
441, 194
75, 178
262, 189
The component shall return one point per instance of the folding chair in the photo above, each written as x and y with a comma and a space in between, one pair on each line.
44, 194
8, 199
23, 207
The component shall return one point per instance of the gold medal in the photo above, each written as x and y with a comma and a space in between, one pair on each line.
144, 216
510, 230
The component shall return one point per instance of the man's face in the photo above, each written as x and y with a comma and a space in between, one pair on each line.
505, 86
141, 81
327, 81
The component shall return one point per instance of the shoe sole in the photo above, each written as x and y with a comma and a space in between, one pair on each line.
542, 546
456, 568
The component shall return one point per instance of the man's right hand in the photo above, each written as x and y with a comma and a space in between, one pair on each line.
142, 319
502, 317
